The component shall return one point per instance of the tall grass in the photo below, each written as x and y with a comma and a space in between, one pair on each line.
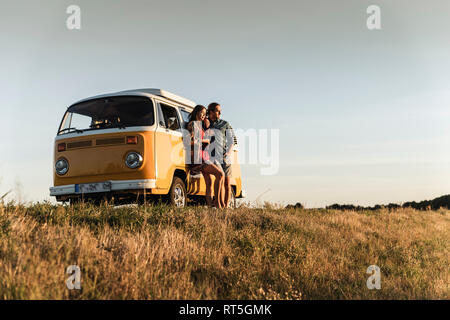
159, 252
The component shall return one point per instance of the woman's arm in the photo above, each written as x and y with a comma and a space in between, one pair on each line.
190, 128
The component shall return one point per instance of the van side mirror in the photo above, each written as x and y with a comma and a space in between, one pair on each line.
173, 123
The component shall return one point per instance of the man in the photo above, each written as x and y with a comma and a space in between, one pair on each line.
222, 141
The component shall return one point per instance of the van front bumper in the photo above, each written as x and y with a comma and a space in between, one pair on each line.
116, 185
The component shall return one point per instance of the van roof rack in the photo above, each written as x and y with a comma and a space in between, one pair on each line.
153, 91
165, 94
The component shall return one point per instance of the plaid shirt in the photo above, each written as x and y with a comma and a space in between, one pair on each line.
226, 139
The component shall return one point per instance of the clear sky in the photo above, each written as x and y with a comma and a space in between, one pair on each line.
363, 115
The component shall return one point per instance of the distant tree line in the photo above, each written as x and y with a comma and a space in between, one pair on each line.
434, 204
298, 205
441, 202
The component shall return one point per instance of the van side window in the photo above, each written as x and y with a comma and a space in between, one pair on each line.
161, 120
185, 114
170, 117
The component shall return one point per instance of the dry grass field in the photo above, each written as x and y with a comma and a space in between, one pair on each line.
159, 252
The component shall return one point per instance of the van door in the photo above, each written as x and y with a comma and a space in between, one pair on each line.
169, 151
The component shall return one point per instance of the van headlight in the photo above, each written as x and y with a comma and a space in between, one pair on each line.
133, 160
61, 166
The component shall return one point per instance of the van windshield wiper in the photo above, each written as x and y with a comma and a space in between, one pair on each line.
74, 129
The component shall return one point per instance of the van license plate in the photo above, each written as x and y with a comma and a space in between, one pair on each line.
93, 187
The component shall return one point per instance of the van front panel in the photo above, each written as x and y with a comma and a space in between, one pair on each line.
96, 158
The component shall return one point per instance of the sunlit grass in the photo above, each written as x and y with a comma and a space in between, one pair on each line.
159, 252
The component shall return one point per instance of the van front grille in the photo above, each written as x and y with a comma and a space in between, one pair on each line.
103, 142
79, 144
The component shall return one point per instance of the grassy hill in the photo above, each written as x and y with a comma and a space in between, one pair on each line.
159, 252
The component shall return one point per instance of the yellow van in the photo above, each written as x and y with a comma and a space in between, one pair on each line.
128, 146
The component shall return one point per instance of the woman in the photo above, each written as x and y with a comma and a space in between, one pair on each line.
197, 125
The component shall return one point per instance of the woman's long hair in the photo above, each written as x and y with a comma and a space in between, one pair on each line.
193, 115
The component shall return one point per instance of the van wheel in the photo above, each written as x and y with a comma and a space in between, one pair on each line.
232, 202
177, 193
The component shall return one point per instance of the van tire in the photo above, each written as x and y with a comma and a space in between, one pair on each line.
177, 193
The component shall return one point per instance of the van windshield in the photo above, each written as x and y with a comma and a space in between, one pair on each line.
109, 112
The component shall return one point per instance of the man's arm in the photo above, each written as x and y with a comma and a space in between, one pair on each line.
230, 140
